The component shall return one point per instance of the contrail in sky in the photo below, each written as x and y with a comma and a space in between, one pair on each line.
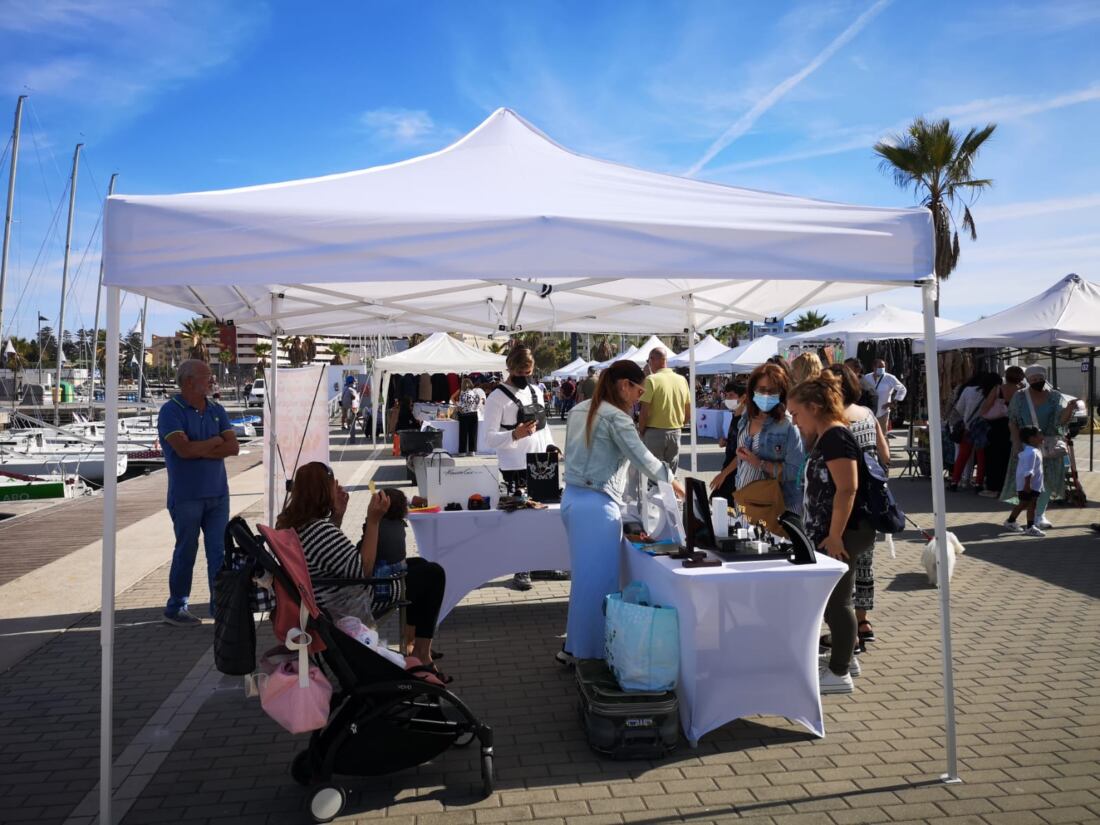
746, 121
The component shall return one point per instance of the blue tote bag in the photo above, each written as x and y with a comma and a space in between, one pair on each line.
641, 640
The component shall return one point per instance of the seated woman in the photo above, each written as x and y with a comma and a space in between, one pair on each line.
316, 511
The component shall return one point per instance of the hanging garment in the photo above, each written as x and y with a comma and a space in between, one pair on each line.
424, 387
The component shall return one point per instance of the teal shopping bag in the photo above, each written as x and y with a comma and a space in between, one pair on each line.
641, 640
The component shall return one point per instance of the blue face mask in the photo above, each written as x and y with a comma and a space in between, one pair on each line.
765, 403
879, 372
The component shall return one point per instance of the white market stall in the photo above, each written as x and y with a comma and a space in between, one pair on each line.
743, 358
640, 355
502, 226
577, 368
625, 355
876, 324
709, 347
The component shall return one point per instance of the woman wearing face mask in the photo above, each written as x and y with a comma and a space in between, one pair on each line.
768, 445
1042, 406
511, 440
733, 399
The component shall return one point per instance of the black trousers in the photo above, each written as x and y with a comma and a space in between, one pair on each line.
467, 432
998, 452
424, 585
840, 615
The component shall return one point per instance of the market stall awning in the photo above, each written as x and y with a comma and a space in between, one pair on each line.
436, 242
440, 352
876, 324
709, 347
1066, 315
743, 358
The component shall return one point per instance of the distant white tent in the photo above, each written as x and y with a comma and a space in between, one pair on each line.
641, 354
744, 358
709, 347
876, 324
439, 352
574, 369
626, 356
1066, 315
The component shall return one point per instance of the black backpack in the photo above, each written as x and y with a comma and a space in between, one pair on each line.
874, 499
234, 624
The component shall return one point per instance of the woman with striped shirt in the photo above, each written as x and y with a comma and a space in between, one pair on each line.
316, 511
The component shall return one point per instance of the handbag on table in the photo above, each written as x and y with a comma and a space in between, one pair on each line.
762, 501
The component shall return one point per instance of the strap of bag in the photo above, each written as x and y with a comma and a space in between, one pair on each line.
297, 639
1031, 406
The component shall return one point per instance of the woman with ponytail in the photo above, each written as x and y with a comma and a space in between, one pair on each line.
600, 441
832, 520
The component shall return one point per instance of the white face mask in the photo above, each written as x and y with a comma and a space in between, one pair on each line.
731, 403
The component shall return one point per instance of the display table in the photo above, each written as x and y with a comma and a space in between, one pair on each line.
748, 636
712, 423
449, 428
475, 547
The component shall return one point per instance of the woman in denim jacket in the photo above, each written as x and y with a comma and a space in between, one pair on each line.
768, 444
600, 440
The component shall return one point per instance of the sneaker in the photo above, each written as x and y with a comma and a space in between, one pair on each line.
831, 683
182, 619
1012, 527
854, 668
1043, 523
1034, 532
564, 658
987, 493
522, 581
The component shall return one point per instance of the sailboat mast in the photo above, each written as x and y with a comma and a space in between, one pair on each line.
7, 214
65, 284
95, 326
141, 353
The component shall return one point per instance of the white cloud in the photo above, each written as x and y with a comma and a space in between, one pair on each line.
1031, 209
746, 121
401, 127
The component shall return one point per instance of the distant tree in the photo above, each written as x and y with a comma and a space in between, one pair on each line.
262, 351
225, 358
604, 349
810, 320
731, 334
938, 164
339, 352
201, 331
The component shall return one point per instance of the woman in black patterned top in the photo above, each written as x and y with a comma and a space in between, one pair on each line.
830, 515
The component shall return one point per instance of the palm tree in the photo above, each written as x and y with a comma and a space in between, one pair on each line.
939, 164
200, 330
339, 352
262, 350
810, 320
731, 334
225, 358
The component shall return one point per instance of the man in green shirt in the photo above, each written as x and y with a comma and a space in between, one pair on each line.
666, 405
587, 388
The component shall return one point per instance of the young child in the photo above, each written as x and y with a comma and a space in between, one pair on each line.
1029, 482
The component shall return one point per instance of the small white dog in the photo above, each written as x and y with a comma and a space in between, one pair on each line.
929, 557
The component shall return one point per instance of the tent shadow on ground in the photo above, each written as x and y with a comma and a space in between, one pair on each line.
1078, 557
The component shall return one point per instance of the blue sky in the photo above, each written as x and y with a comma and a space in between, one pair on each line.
183, 95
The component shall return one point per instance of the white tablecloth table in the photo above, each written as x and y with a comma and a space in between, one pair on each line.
748, 636
475, 547
449, 428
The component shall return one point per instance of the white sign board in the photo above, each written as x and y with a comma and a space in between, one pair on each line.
301, 401
458, 483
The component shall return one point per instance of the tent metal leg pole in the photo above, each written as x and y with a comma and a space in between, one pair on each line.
1092, 404
1054, 366
932, 376
691, 382
270, 422
107, 594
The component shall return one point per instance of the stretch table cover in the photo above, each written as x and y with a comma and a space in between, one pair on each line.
479, 546
748, 636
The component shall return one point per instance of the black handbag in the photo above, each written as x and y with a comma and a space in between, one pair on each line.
527, 412
234, 625
542, 477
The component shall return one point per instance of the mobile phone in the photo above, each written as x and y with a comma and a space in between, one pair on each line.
370, 486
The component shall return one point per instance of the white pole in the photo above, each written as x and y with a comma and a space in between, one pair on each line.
7, 213
95, 326
65, 283
107, 595
932, 377
691, 381
270, 418
141, 353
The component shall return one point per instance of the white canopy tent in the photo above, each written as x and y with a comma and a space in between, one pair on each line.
504, 226
876, 324
627, 355
574, 369
709, 347
641, 354
1065, 315
743, 358
439, 352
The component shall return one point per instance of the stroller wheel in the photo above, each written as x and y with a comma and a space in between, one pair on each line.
299, 768
327, 802
464, 739
486, 774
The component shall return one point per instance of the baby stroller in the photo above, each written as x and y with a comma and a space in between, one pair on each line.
383, 718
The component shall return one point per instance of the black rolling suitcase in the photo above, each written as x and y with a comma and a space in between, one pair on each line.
621, 724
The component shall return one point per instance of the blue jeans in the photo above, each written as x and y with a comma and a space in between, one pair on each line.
188, 517
595, 530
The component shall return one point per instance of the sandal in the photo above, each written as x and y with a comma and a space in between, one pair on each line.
867, 635
439, 674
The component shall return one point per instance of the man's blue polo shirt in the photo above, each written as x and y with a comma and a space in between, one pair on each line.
193, 478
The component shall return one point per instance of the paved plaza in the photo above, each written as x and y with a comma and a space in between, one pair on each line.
190, 748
